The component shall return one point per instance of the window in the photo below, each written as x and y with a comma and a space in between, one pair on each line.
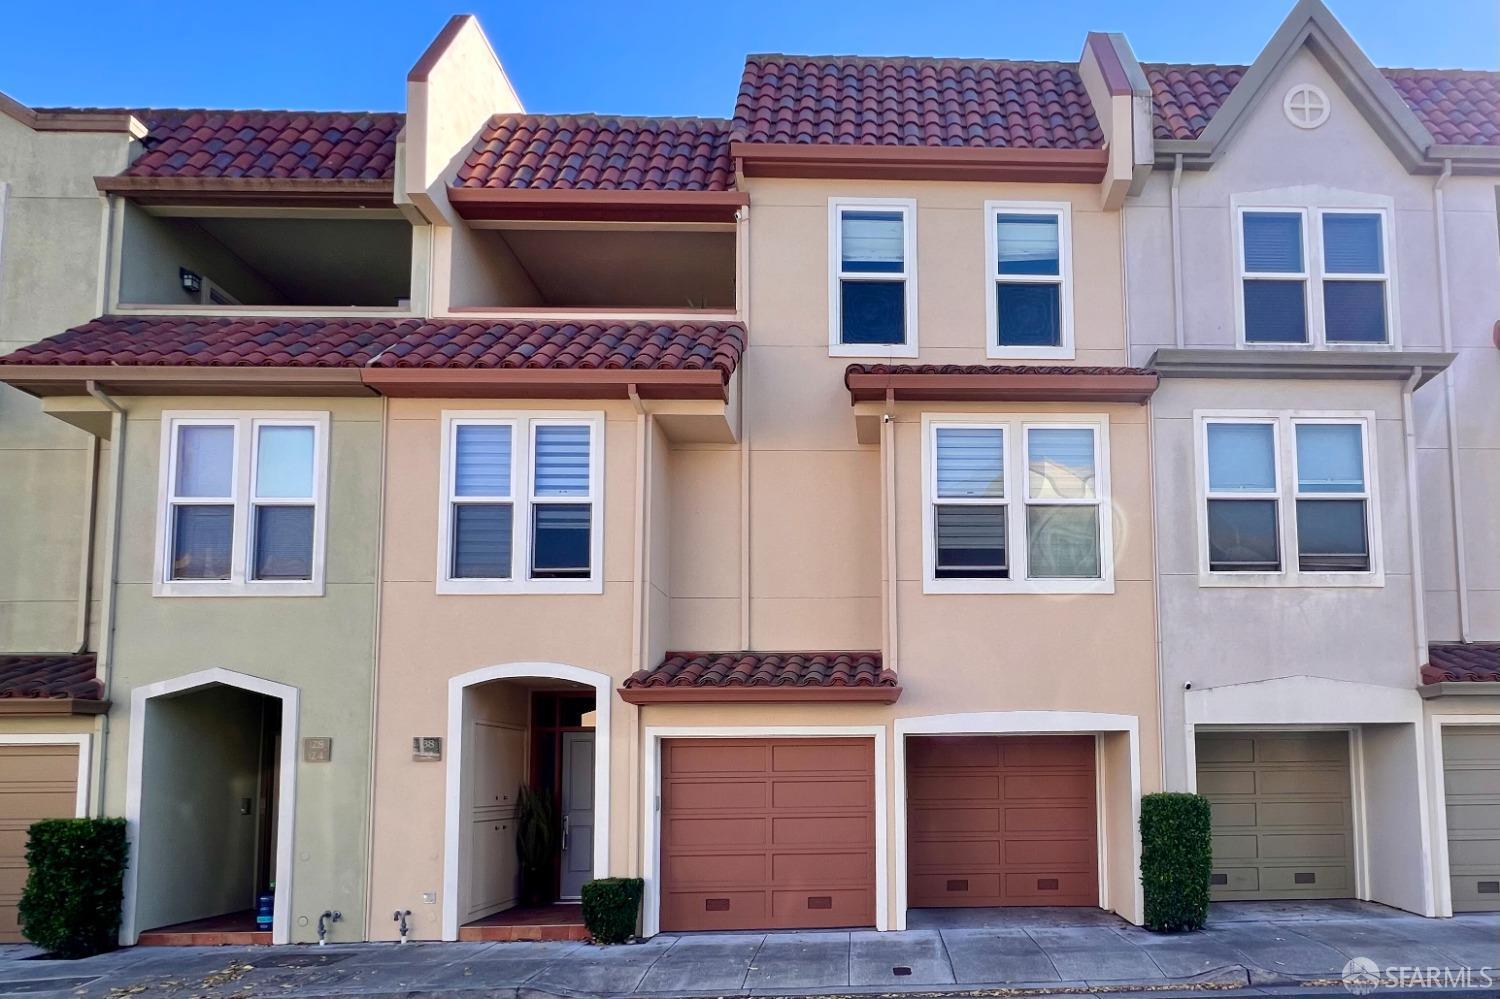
1324, 285
1030, 298
521, 503
242, 504
995, 524
872, 291
1320, 510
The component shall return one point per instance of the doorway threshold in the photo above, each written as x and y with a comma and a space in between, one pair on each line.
558, 921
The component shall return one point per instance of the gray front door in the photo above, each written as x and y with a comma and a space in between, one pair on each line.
577, 812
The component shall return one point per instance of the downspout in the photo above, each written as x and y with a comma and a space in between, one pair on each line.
742, 294
1450, 402
369, 817
86, 558
643, 428
1175, 210
888, 473
1414, 530
104, 662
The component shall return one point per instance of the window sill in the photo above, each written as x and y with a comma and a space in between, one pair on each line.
937, 587
1368, 347
1291, 580
1059, 353
506, 587
228, 588
871, 350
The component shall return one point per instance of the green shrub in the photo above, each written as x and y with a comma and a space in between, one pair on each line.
1176, 861
71, 903
610, 906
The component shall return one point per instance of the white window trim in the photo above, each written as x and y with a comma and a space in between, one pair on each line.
1312, 204
908, 209
1015, 427
1285, 442
246, 439
1063, 211
522, 442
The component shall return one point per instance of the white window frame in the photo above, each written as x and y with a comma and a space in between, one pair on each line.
1313, 203
1284, 439
908, 275
246, 424
523, 425
1017, 497
1063, 212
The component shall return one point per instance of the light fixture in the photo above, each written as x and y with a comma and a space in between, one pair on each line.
192, 283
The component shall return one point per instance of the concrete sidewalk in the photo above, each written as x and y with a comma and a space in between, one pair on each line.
1248, 948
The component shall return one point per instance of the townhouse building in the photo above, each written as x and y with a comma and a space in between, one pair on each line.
838, 510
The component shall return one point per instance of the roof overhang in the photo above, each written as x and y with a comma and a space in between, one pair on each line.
966, 163
251, 191
1177, 362
72, 120
44, 380
50, 707
1461, 688
547, 383
744, 694
571, 205
998, 386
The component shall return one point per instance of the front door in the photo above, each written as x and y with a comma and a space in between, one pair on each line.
577, 812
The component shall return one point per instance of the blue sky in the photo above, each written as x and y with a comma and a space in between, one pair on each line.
624, 57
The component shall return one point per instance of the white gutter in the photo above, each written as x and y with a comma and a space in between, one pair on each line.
1413, 519
1175, 210
104, 664
1445, 328
86, 557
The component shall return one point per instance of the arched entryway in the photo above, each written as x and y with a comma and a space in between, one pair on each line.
506, 725
210, 801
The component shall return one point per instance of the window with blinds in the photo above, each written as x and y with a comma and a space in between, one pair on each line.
1030, 307
522, 506
1275, 277
1354, 277
872, 245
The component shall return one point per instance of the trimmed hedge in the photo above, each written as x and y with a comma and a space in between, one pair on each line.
610, 906
71, 903
1176, 860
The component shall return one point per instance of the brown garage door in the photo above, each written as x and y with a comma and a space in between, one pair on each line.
1001, 820
1282, 815
36, 782
767, 833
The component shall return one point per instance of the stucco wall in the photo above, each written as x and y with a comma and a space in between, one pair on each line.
320, 645
153, 250
51, 242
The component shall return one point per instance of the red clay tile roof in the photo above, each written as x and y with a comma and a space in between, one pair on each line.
50, 676
864, 101
318, 145
391, 343
592, 152
1459, 107
1462, 664
766, 669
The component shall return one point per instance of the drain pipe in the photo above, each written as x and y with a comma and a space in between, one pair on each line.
888, 487
86, 559
1175, 210
639, 600
1445, 328
1413, 518
105, 652
376, 610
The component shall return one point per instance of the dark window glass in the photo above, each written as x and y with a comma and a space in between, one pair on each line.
1351, 243
970, 542
1354, 311
560, 547
1028, 315
481, 540
1242, 536
283, 542
873, 312
202, 541
1331, 536
1274, 312
1273, 242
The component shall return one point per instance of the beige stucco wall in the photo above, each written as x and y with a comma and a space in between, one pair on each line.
320, 645
51, 242
154, 249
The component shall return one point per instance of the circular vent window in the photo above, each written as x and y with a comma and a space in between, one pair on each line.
1306, 106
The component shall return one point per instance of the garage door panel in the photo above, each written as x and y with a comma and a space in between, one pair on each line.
1471, 783
797, 854
28, 803
36, 782
1015, 825
718, 794
1280, 814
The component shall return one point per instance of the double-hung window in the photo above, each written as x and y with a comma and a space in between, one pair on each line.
242, 504
872, 286
521, 503
1016, 505
1030, 298
1287, 499
1315, 277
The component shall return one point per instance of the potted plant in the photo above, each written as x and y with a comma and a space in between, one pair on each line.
536, 845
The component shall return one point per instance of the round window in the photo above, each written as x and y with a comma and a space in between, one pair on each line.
1306, 106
